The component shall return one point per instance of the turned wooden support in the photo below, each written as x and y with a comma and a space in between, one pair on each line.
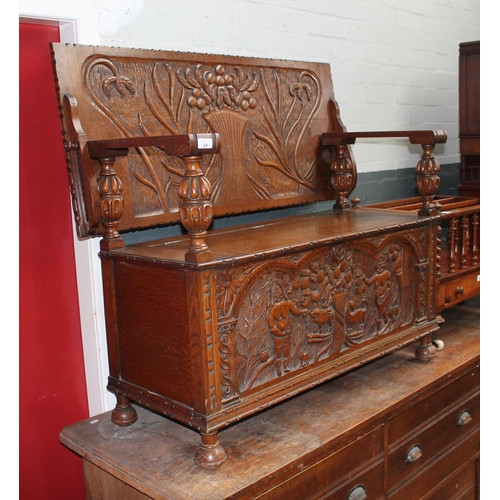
195, 209
210, 453
475, 239
109, 187
343, 177
426, 350
438, 251
428, 180
194, 190
124, 413
452, 244
465, 240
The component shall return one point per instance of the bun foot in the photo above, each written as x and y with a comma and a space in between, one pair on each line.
210, 453
124, 413
426, 350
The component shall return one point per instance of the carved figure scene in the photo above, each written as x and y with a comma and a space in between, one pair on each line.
315, 308
263, 116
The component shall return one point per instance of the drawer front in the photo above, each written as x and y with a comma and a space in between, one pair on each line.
422, 413
369, 485
427, 481
440, 438
359, 464
457, 290
462, 485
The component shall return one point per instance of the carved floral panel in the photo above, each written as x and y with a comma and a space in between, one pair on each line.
283, 315
263, 116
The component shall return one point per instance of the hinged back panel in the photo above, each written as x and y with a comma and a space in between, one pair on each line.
269, 114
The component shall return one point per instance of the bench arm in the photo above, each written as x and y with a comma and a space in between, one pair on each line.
427, 168
173, 145
414, 136
194, 190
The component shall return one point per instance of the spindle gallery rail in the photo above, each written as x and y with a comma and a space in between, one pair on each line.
458, 248
212, 326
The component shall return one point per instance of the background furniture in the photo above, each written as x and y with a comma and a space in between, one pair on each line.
469, 118
458, 249
387, 428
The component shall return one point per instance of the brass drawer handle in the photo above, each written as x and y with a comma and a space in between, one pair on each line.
414, 454
464, 418
459, 290
357, 493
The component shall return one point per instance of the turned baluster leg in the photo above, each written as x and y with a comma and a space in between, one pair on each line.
210, 453
475, 239
465, 242
196, 209
438, 251
124, 413
343, 177
452, 244
110, 192
428, 180
109, 186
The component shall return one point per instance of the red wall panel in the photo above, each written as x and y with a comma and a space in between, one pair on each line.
51, 369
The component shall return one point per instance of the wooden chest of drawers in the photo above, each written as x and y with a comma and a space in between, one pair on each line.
429, 440
346, 473
391, 429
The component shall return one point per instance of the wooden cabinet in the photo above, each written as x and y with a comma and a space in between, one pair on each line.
469, 118
391, 429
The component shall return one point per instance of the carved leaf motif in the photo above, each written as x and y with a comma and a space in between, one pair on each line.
300, 88
142, 166
287, 129
228, 284
265, 153
121, 84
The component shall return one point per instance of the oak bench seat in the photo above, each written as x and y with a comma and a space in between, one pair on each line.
215, 325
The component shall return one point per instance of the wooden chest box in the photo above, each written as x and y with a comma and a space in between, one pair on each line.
214, 325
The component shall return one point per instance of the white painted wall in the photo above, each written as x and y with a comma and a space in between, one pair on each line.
394, 62
394, 66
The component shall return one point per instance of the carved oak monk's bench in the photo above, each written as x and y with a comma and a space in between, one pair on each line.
214, 325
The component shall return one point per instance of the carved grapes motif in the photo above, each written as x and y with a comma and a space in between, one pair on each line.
213, 90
